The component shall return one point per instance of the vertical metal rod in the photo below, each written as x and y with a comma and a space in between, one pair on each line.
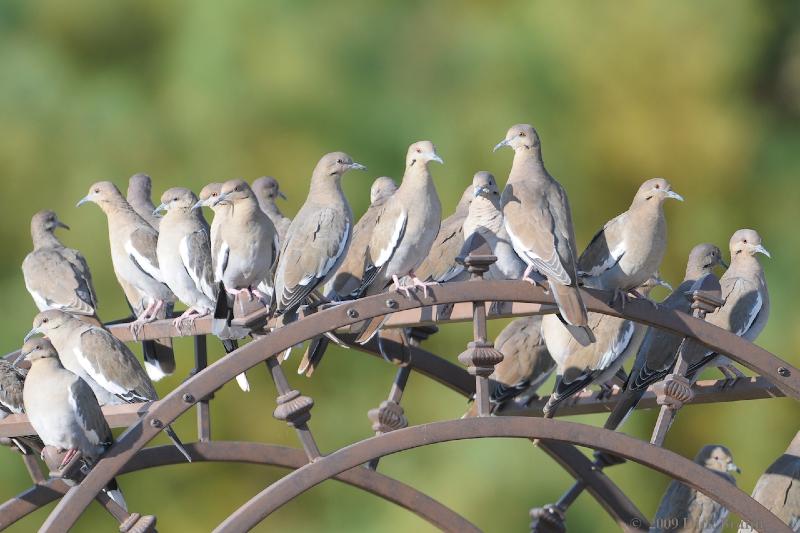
481, 381
203, 407
395, 395
297, 415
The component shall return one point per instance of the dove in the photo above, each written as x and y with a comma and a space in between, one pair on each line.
267, 191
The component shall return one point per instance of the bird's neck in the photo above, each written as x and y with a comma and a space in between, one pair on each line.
528, 164
326, 190
695, 272
484, 216
743, 262
43, 238
417, 177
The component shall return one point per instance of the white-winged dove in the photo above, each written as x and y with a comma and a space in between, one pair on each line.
526, 364
100, 359
580, 366
440, 264
778, 489
539, 222
57, 277
267, 191
630, 247
658, 351
12, 380
318, 237
133, 254
486, 219
347, 279
63, 410
139, 197
690, 511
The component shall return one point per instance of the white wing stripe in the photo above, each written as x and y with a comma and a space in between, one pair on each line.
143, 262
386, 252
101, 380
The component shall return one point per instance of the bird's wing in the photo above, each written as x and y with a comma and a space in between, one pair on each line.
348, 277
743, 302
112, 365
141, 248
78, 262
87, 411
604, 250
386, 237
319, 241
12, 382
55, 284
195, 252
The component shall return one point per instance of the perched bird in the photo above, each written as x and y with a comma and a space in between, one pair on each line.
659, 349
184, 253
580, 366
746, 308
348, 277
63, 410
133, 255
12, 380
486, 219
690, 511
267, 191
139, 192
440, 264
247, 241
57, 277
778, 489
630, 247
526, 364
318, 237
101, 360
539, 222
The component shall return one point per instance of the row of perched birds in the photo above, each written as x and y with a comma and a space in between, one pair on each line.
321, 256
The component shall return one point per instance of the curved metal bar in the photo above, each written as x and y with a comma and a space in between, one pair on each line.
378, 484
659, 459
216, 375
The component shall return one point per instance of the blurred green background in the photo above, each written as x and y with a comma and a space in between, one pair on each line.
706, 94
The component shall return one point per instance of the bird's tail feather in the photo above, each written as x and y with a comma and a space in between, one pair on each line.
570, 304
177, 442
624, 408
230, 345
115, 493
159, 358
313, 356
370, 329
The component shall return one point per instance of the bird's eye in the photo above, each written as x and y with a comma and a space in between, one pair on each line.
45, 320
522, 134
658, 186
175, 199
339, 161
237, 188
745, 241
97, 191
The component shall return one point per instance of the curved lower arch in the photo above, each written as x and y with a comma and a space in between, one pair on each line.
216, 375
375, 483
682, 469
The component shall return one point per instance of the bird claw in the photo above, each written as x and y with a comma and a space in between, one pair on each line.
136, 328
68, 457
399, 287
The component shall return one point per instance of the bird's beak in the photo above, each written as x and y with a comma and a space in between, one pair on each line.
478, 190
501, 144
20, 358
280, 193
733, 468
82, 201
761, 250
723, 263
674, 196
61, 224
433, 156
161, 207
663, 283
221, 198
31, 333
353, 166
199, 204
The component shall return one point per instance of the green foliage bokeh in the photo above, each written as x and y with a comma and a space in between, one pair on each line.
705, 94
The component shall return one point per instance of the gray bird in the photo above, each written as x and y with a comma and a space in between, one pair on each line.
12, 380
348, 277
247, 241
133, 254
57, 277
659, 349
778, 489
63, 410
267, 191
101, 360
630, 247
440, 264
597, 363
687, 510
486, 219
526, 365
139, 197
746, 308
318, 238
539, 222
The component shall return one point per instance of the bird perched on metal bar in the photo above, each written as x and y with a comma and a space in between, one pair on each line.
267, 191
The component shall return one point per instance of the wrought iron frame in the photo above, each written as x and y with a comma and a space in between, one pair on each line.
445, 303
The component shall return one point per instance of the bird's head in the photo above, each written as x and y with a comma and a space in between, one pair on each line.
484, 184
656, 190
520, 137
101, 193
381, 189
747, 242
141, 184
704, 257
267, 187
47, 321
176, 198
233, 191
208, 195
46, 220
36, 349
716, 457
335, 164
421, 152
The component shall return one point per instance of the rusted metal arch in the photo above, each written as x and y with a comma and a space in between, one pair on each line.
173, 405
654, 457
375, 483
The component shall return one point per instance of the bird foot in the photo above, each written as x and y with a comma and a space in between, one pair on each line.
68, 457
188, 317
399, 287
136, 328
424, 284
238, 292
263, 298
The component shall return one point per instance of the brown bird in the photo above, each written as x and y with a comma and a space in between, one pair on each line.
139, 196
267, 191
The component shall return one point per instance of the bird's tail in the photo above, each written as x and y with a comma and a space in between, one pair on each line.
230, 345
177, 442
370, 328
159, 358
313, 356
627, 402
572, 312
115, 493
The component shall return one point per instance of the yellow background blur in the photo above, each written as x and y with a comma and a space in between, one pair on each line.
705, 94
